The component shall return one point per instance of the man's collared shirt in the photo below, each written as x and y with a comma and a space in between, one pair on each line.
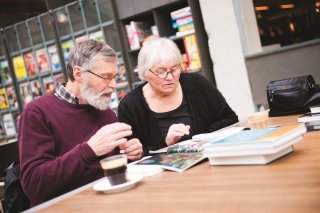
62, 93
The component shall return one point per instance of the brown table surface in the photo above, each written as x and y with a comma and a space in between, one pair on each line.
290, 184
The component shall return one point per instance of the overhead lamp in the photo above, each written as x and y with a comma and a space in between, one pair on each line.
287, 6
61, 17
260, 8
317, 4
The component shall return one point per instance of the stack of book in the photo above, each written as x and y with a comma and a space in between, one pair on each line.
311, 119
182, 21
259, 146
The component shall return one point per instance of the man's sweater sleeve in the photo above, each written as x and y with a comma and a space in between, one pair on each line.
43, 173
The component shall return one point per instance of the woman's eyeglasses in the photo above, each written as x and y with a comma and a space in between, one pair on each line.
163, 74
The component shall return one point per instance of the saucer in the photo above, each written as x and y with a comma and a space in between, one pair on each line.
105, 187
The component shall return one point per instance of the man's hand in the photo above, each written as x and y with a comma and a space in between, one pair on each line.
175, 132
108, 137
133, 149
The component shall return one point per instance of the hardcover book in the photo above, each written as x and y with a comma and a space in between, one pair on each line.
259, 146
312, 126
315, 109
177, 162
12, 98
250, 159
309, 117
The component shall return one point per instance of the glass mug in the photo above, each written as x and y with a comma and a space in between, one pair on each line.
115, 168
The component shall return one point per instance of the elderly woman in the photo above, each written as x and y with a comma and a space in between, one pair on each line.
171, 106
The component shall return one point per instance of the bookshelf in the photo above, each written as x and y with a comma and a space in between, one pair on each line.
34, 52
147, 17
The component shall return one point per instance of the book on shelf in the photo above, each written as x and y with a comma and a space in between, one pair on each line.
191, 47
249, 159
307, 117
5, 74
312, 126
43, 60
137, 33
255, 144
19, 67
315, 109
25, 92
12, 98
54, 58
183, 12
31, 64
178, 162
4, 103
9, 124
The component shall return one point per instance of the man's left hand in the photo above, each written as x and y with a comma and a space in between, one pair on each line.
133, 149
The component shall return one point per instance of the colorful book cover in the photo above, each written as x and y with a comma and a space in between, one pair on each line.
186, 11
48, 84
19, 67
25, 92
54, 58
97, 36
4, 103
12, 98
9, 124
66, 48
35, 88
191, 47
43, 60
30, 62
5, 74
178, 162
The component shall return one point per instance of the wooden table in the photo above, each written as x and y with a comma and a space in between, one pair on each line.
290, 184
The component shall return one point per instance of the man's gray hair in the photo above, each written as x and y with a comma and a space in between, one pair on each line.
157, 50
84, 54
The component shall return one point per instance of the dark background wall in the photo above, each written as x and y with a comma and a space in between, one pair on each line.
13, 11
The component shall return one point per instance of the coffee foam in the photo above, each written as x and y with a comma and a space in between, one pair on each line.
110, 164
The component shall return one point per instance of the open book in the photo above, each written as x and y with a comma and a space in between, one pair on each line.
178, 162
197, 142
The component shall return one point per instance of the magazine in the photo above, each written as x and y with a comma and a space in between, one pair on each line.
66, 48
4, 103
8, 124
12, 98
54, 58
19, 68
48, 84
178, 162
42, 59
30, 62
5, 74
97, 36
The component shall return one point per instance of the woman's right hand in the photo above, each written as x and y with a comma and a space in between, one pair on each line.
175, 132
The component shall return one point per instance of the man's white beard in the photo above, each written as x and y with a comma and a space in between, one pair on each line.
94, 99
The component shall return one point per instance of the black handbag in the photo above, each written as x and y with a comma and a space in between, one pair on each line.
292, 96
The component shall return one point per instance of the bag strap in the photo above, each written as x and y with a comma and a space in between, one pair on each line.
312, 98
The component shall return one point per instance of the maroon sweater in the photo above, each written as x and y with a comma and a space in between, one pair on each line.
54, 155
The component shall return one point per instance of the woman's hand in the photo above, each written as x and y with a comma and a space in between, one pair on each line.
175, 132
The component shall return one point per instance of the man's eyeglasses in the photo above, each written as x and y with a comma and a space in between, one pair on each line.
163, 74
105, 79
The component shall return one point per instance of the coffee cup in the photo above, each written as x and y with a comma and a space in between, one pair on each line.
258, 120
115, 168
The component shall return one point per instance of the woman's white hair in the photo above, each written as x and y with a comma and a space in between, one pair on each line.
157, 50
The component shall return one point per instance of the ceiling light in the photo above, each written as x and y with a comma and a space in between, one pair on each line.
287, 6
259, 8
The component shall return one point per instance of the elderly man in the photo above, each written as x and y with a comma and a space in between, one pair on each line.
63, 135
